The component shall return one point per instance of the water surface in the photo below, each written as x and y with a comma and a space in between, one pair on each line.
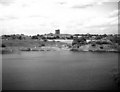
59, 70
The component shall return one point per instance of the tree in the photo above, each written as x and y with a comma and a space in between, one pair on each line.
98, 37
79, 41
34, 37
20, 37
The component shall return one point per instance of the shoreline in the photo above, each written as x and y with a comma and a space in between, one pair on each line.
10, 50
13, 46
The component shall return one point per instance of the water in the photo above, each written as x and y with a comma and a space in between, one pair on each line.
59, 70
0, 72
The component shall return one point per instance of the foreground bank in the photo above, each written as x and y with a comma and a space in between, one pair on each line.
13, 46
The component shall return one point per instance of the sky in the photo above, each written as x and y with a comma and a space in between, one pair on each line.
32, 17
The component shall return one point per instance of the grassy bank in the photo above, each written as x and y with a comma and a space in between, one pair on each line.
28, 43
97, 48
11, 46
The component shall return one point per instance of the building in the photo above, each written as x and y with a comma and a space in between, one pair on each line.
57, 31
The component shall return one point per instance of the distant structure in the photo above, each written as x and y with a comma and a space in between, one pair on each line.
57, 31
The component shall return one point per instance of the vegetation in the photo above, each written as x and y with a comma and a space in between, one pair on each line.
94, 40
3, 45
79, 41
102, 42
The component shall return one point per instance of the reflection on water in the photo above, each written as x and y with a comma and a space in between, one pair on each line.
0, 71
59, 70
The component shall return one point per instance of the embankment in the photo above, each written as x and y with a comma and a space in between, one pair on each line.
97, 48
13, 46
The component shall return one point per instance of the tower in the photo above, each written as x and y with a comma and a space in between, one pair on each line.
57, 31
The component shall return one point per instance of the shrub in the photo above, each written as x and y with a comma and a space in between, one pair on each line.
93, 45
101, 47
3, 45
42, 45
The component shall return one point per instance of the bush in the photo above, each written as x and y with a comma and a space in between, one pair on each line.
101, 47
93, 45
42, 45
3, 45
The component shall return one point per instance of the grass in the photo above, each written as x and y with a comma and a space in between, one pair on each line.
25, 45
10, 46
28, 43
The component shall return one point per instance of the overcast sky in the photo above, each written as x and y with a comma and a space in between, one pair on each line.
32, 17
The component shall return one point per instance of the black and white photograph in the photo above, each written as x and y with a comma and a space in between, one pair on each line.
59, 45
